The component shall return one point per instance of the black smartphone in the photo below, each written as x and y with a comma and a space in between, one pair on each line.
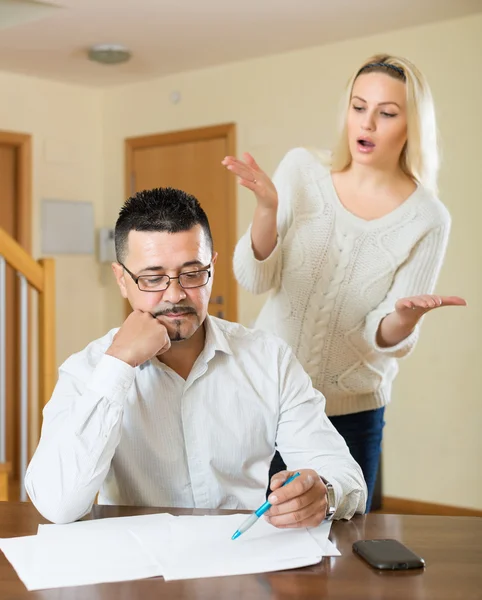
388, 554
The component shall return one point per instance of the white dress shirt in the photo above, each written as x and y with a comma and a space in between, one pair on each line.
145, 436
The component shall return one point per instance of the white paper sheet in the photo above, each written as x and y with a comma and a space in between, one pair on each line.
44, 562
157, 520
320, 535
186, 547
202, 547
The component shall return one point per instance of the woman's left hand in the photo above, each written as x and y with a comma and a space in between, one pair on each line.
411, 310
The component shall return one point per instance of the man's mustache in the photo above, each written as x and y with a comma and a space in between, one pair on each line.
173, 310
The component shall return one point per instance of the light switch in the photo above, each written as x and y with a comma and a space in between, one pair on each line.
106, 245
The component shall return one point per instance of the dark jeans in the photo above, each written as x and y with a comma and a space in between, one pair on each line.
363, 434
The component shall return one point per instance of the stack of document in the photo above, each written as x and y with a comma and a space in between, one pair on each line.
128, 548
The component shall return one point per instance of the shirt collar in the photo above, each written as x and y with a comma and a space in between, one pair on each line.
216, 339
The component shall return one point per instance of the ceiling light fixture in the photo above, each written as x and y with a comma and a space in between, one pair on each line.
109, 54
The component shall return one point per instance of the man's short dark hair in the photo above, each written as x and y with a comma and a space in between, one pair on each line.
160, 209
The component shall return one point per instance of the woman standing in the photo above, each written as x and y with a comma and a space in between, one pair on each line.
351, 251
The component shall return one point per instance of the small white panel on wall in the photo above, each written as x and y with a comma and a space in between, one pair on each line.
67, 227
106, 245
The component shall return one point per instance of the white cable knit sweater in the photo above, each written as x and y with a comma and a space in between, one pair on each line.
333, 277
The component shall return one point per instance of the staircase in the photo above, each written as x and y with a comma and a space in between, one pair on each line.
28, 398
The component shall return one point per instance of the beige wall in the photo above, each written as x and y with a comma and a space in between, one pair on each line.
65, 124
433, 436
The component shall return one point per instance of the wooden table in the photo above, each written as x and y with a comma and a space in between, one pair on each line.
451, 546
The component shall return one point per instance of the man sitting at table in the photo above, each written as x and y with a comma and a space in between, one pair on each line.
181, 409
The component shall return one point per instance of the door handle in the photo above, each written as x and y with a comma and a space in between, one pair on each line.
216, 300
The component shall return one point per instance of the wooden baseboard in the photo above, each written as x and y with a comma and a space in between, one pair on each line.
401, 506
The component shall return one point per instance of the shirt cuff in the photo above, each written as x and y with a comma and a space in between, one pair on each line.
112, 378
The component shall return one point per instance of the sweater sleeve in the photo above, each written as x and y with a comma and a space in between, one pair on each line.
259, 276
417, 275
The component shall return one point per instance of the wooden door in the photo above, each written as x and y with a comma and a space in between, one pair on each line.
9, 222
191, 161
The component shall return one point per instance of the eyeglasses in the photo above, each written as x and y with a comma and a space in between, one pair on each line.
160, 283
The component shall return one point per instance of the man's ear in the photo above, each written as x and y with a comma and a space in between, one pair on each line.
215, 258
119, 275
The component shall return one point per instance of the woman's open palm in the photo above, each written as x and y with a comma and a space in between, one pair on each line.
252, 177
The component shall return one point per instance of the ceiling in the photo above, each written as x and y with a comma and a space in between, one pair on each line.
50, 39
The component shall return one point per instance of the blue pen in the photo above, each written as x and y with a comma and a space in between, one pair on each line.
258, 513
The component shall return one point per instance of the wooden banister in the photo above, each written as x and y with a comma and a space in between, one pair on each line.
46, 338
21, 260
41, 276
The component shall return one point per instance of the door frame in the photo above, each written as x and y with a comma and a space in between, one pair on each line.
227, 131
22, 142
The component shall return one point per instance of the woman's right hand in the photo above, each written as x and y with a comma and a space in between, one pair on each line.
252, 177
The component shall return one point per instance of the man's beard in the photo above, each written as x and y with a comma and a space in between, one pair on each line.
176, 337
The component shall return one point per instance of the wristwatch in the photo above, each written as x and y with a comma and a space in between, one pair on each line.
331, 500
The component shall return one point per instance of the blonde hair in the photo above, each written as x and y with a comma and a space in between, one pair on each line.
420, 157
